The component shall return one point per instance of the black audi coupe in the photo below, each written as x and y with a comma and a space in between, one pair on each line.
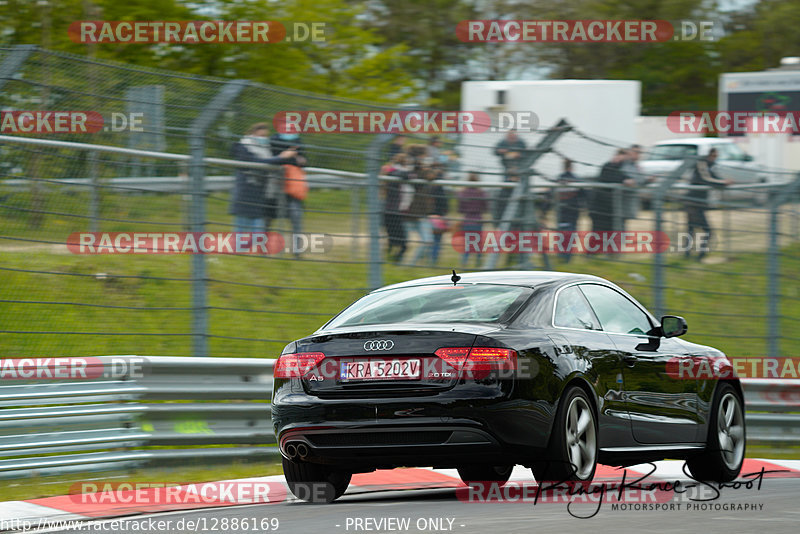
483, 371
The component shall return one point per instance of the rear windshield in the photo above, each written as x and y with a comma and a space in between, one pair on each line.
479, 303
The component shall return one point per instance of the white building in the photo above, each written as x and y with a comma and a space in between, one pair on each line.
603, 109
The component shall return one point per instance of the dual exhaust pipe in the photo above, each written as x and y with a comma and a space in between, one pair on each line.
296, 450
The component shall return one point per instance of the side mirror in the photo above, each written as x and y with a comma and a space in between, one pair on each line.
748, 157
673, 326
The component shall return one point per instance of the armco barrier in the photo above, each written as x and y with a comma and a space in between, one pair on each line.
768, 403
56, 425
53, 425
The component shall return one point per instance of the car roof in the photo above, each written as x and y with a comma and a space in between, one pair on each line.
695, 141
514, 278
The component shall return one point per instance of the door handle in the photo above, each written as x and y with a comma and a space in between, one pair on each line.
629, 359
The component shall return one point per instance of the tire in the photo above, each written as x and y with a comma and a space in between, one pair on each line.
572, 452
485, 473
315, 483
726, 441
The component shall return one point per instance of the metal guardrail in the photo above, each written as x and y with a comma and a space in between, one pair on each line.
177, 405
140, 410
317, 178
768, 403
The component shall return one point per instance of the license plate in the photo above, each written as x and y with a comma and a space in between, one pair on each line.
380, 370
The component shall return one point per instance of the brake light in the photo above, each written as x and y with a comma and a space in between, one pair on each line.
478, 358
296, 365
486, 358
453, 356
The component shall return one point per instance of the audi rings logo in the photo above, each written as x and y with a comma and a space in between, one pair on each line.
379, 344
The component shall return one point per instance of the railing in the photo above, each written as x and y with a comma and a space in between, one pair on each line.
141, 410
55, 425
768, 402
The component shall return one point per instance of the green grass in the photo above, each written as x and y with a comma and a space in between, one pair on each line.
262, 319
773, 452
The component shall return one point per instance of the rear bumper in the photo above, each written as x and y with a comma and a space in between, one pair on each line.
382, 445
472, 423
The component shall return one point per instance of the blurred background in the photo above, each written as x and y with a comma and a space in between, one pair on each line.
376, 55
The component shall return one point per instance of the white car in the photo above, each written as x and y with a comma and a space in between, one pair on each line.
732, 162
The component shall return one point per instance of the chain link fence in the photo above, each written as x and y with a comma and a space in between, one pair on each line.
382, 224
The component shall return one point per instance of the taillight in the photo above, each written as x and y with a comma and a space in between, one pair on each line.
487, 358
296, 365
476, 361
453, 356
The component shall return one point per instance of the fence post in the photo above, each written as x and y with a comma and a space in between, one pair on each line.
197, 217
618, 222
659, 193
14, 62
773, 265
658, 259
374, 160
773, 272
94, 202
355, 218
10, 66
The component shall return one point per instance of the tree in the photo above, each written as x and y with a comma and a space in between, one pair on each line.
426, 28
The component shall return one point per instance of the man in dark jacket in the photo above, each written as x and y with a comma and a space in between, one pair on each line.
441, 207
570, 200
510, 151
602, 204
697, 200
249, 201
397, 199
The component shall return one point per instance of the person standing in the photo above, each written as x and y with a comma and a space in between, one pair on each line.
570, 200
295, 185
418, 215
441, 207
472, 204
635, 179
602, 204
397, 199
249, 199
697, 201
509, 150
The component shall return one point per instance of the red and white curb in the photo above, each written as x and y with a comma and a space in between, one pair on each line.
48, 510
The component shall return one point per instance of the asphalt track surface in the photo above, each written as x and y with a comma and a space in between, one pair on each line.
773, 509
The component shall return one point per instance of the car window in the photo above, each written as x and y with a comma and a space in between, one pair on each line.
730, 151
572, 310
616, 313
481, 303
671, 152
